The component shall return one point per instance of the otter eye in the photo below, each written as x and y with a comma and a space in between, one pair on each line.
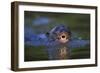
58, 38
63, 36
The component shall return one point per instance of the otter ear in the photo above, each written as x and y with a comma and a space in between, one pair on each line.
47, 34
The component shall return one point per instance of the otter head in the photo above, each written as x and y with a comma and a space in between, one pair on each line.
61, 34
63, 37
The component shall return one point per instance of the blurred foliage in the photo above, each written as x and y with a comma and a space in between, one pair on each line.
78, 23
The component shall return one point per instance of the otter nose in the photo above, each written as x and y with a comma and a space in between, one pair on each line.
63, 36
